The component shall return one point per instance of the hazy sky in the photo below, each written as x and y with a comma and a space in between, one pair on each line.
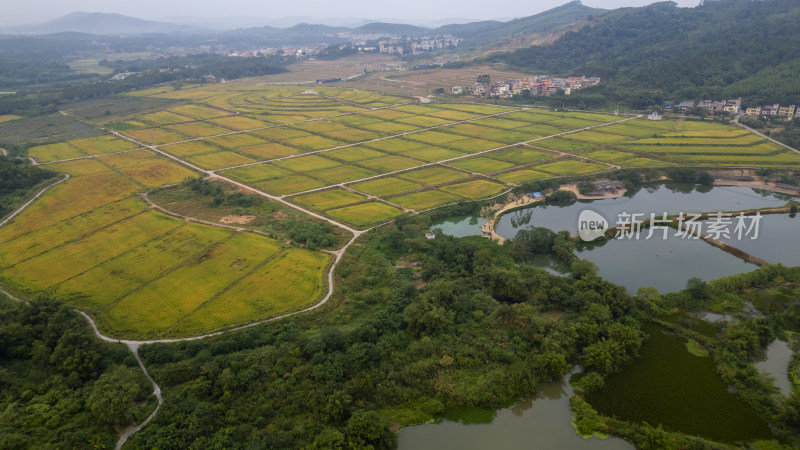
15, 12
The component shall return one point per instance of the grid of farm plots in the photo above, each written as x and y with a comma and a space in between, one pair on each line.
362, 158
94, 243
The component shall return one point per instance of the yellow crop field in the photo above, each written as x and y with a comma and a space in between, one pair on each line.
21, 246
425, 199
389, 163
149, 136
643, 162
570, 167
71, 198
390, 128
102, 144
257, 172
386, 186
396, 145
306, 163
268, 151
219, 160
353, 154
291, 281
189, 149
314, 142
158, 174
433, 175
521, 176
332, 198
151, 310
719, 133
473, 145
695, 140
365, 214
163, 118
481, 165
131, 159
59, 264
238, 123
281, 133
289, 185
79, 167
352, 135
236, 140
198, 129
475, 189
341, 174
609, 155
386, 114
119, 276
55, 152
9, 117
199, 111
501, 122
596, 137
431, 154
434, 137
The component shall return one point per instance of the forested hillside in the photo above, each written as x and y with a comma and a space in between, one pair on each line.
719, 49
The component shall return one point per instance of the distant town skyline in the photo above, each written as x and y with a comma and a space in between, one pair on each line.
409, 11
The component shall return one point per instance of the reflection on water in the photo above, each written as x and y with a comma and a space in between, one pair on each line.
663, 264
775, 363
460, 226
671, 198
541, 421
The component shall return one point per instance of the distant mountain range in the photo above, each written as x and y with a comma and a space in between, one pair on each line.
101, 24
120, 25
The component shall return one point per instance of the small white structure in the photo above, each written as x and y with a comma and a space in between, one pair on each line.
654, 116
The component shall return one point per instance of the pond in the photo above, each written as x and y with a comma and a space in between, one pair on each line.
663, 264
775, 363
671, 198
541, 421
460, 226
669, 385
778, 240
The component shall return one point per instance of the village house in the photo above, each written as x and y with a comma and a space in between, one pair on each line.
770, 110
753, 112
787, 112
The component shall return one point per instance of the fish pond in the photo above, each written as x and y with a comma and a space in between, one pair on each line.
460, 226
671, 198
672, 385
542, 421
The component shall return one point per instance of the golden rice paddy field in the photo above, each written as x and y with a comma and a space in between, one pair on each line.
356, 157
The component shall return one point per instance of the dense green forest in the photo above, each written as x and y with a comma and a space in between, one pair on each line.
17, 180
720, 49
59, 385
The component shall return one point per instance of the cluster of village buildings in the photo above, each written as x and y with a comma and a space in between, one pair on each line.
540, 85
787, 112
734, 107
417, 46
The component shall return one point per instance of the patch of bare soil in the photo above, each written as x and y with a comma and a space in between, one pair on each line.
240, 220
